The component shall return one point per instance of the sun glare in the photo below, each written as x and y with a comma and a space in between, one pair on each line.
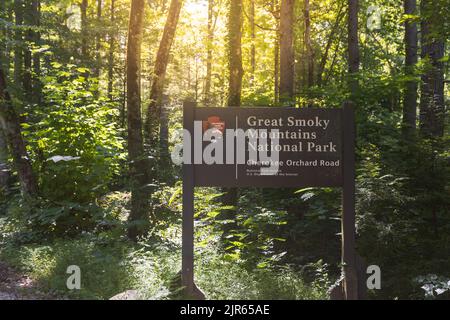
196, 8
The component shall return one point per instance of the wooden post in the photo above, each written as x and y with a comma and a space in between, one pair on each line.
348, 204
187, 267
187, 263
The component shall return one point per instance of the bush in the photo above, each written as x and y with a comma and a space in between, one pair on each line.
75, 143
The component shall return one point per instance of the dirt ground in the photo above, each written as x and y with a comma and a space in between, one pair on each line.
15, 285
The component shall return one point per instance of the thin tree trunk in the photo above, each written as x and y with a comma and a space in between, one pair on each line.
4, 168
277, 67
207, 97
138, 165
275, 7
330, 41
98, 39
18, 47
13, 132
162, 60
30, 81
164, 159
410, 94
309, 47
335, 58
287, 51
353, 46
432, 110
28, 58
236, 70
37, 85
4, 62
253, 40
84, 29
5, 35
112, 42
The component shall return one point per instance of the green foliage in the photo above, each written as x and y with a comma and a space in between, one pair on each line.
222, 279
110, 265
104, 271
274, 243
403, 215
76, 125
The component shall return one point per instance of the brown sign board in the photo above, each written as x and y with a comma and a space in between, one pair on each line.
308, 142
314, 148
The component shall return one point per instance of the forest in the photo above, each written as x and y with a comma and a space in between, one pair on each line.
91, 107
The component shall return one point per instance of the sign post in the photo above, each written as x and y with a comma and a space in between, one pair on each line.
187, 264
348, 205
269, 147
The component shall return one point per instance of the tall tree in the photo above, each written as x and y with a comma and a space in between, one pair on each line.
162, 60
32, 66
18, 37
308, 44
112, 43
4, 62
287, 50
4, 168
275, 8
253, 41
236, 70
4, 35
98, 39
212, 20
137, 163
331, 38
10, 124
432, 109
411, 44
36, 35
353, 46
84, 28
27, 55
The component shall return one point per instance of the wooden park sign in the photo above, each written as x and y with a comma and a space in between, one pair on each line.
269, 148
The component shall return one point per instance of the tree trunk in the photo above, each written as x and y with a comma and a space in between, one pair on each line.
331, 38
253, 39
334, 60
18, 47
208, 79
112, 42
138, 165
4, 168
84, 29
287, 51
30, 82
37, 85
164, 156
309, 47
236, 71
432, 109
275, 9
353, 46
276, 72
5, 35
162, 60
28, 59
98, 39
4, 62
410, 94
13, 132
